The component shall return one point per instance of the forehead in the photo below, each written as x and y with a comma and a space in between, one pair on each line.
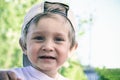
54, 19
56, 23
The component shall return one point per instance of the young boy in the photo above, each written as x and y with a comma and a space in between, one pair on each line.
47, 39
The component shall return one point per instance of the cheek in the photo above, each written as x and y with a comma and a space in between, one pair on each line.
63, 56
32, 51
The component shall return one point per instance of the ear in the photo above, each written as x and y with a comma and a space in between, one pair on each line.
75, 46
73, 49
23, 46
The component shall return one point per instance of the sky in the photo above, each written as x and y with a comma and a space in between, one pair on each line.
100, 44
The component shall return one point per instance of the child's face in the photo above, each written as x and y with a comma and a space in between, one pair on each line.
48, 44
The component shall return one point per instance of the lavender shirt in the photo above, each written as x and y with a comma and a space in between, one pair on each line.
30, 73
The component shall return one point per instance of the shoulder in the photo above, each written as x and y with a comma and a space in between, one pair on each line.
62, 77
21, 72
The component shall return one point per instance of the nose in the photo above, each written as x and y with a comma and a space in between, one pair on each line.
48, 46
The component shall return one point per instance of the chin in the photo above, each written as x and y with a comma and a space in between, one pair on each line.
47, 67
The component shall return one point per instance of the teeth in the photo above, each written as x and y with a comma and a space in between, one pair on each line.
47, 57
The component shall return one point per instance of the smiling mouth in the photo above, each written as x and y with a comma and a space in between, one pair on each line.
47, 57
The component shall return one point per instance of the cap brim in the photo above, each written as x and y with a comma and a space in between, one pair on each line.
26, 61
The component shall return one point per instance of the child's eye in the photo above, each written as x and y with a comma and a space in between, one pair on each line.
39, 38
59, 39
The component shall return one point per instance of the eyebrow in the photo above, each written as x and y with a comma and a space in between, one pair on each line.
44, 32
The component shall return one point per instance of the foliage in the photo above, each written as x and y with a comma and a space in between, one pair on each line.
11, 17
73, 70
109, 74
